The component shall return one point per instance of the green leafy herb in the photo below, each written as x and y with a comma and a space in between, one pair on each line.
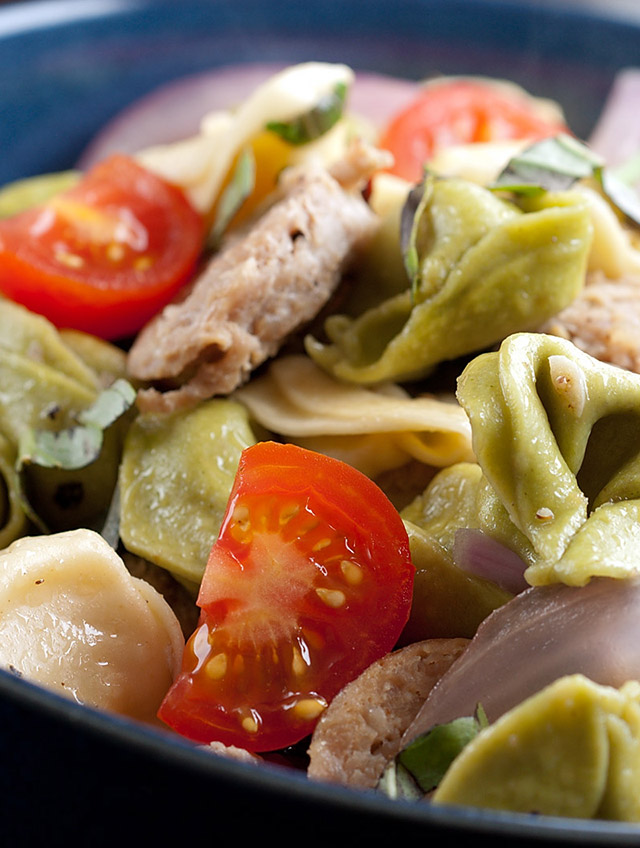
409, 228
553, 164
316, 121
79, 445
423, 763
240, 186
398, 784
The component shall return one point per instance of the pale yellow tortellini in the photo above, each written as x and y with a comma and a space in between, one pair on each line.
557, 436
372, 429
573, 750
73, 619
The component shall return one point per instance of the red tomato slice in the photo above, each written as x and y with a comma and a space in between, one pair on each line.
104, 256
459, 112
309, 582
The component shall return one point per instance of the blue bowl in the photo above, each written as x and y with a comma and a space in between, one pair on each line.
67, 67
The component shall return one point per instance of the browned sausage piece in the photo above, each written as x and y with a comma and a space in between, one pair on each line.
259, 289
362, 728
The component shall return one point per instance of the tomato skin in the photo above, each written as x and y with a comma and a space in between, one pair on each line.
309, 582
459, 112
105, 255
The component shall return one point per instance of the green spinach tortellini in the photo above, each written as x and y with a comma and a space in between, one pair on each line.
175, 479
48, 381
482, 268
573, 749
447, 600
556, 435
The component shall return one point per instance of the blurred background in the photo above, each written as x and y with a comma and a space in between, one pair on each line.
618, 8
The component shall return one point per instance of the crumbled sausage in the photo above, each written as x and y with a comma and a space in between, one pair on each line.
604, 321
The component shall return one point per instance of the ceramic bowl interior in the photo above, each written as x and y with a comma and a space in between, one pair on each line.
68, 66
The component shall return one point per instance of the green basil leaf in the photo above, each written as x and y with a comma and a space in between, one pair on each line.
397, 783
79, 445
428, 757
409, 224
316, 121
553, 164
240, 186
109, 405
556, 163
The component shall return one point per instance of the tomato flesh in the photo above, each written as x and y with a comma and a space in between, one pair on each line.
309, 582
459, 112
105, 255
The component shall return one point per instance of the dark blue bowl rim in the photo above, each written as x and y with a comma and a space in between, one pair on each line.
169, 751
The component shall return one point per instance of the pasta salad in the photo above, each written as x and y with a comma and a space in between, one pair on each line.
319, 438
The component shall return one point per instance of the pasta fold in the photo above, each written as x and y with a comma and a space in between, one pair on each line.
485, 269
47, 379
374, 429
73, 619
175, 478
557, 436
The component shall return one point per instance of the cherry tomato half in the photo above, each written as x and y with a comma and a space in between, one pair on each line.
105, 255
309, 582
459, 112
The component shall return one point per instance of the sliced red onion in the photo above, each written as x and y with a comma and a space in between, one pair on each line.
173, 111
536, 638
616, 136
479, 554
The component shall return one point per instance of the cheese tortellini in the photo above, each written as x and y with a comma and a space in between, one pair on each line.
74, 620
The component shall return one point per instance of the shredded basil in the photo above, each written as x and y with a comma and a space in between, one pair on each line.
79, 445
316, 121
553, 164
420, 766
240, 186
557, 163
409, 225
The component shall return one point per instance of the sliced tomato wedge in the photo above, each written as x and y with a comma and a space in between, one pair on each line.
309, 581
460, 112
105, 255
